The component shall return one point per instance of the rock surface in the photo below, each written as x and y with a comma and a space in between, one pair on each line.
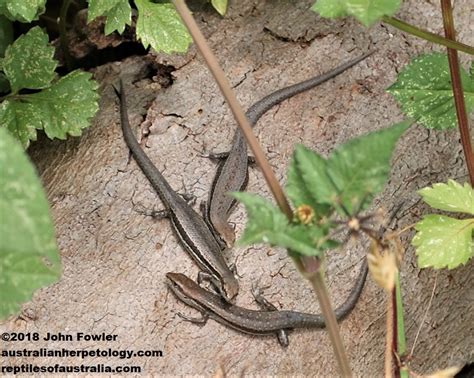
115, 257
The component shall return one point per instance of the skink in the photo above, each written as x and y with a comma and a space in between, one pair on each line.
251, 321
232, 172
189, 226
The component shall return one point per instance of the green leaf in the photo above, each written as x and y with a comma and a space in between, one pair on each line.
442, 241
423, 89
348, 180
305, 240
360, 167
220, 6
99, 8
308, 182
29, 62
22, 10
159, 25
267, 224
64, 108
118, 13
118, 17
330, 8
28, 252
450, 197
263, 217
21, 118
6, 35
365, 11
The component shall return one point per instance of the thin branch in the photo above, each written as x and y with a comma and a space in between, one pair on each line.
311, 269
63, 33
463, 122
426, 35
319, 287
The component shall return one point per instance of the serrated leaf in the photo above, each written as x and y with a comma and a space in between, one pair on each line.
68, 105
28, 252
360, 167
159, 25
450, 197
23, 11
267, 224
21, 118
220, 6
349, 179
29, 62
365, 11
308, 182
423, 89
118, 17
64, 108
118, 13
442, 241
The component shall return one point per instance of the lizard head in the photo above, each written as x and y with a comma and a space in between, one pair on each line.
182, 286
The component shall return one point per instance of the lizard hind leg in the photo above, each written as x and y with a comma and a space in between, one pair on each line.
282, 334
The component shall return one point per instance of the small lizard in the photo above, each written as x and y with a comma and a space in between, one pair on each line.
255, 322
189, 226
232, 172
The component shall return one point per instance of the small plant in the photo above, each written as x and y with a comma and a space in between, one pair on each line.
344, 184
58, 106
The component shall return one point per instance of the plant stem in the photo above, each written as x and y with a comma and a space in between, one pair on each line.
314, 274
63, 34
401, 340
309, 267
390, 324
461, 114
424, 34
52, 23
